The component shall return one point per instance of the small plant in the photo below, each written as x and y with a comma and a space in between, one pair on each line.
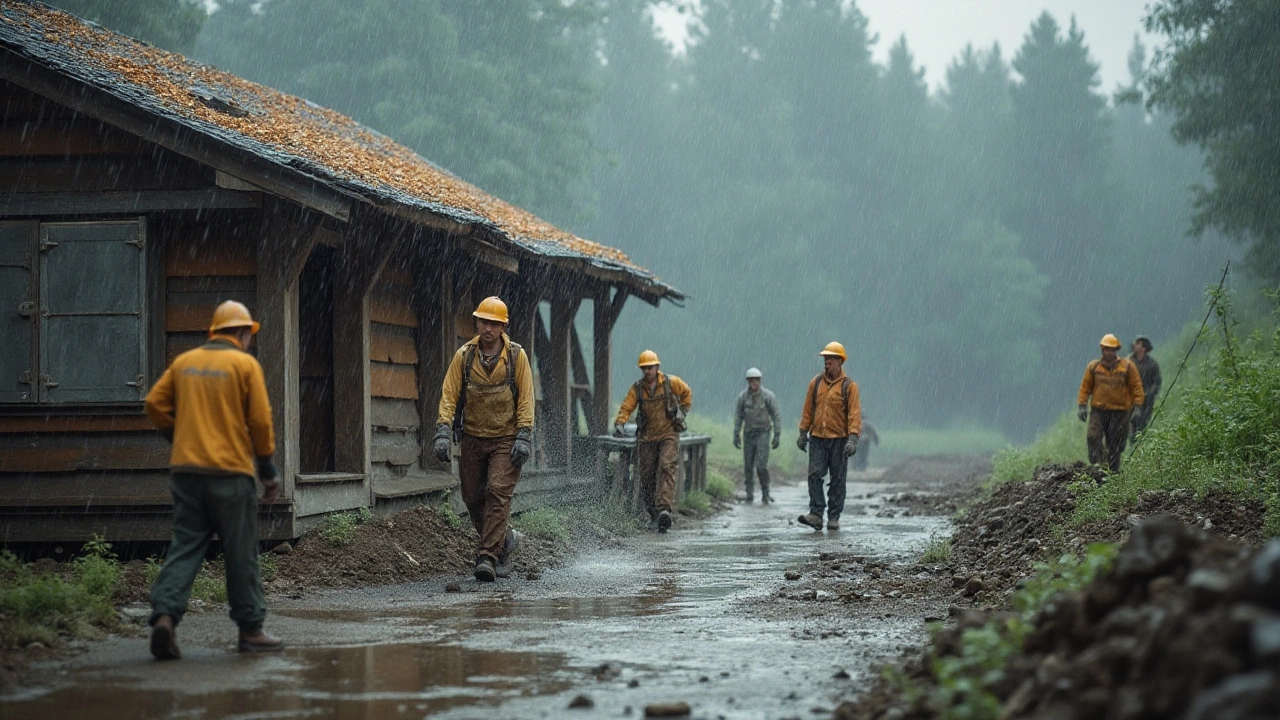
451, 516
267, 566
151, 569
210, 584
719, 486
937, 552
696, 501
542, 522
339, 529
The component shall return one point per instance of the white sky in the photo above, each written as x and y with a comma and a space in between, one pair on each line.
937, 30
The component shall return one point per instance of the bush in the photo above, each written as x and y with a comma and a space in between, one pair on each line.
719, 486
1063, 443
43, 604
210, 584
542, 522
339, 529
696, 501
937, 552
451, 516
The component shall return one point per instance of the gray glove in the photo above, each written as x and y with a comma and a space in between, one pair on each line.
442, 445
802, 442
737, 441
1082, 412
522, 448
777, 440
619, 430
851, 446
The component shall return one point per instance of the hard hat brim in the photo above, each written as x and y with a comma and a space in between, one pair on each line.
828, 353
648, 364
489, 316
253, 324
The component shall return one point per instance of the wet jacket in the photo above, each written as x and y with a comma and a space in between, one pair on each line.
490, 411
214, 399
826, 415
1149, 370
757, 412
1117, 388
653, 403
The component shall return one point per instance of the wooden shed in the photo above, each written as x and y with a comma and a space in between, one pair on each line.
139, 189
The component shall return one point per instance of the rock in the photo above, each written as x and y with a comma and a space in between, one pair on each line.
1264, 639
582, 702
792, 575
974, 586
532, 575
606, 671
283, 548
633, 683
1264, 574
845, 711
1207, 587
704, 679
1240, 697
35, 645
958, 581
675, 709
841, 675
1156, 547
453, 587
136, 612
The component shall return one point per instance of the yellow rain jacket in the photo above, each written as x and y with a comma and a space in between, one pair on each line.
1118, 388
825, 414
653, 403
489, 411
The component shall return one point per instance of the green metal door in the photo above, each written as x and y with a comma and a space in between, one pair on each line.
17, 312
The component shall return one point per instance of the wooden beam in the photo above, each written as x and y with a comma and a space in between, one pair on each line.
605, 315
53, 203
554, 368
580, 390
432, 309
74, 423
492, 256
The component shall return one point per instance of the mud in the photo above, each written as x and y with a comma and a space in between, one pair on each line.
692, 616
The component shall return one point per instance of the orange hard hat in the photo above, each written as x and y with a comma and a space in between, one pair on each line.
647, 358
492, 308
834, 349
232, 314
1110, 341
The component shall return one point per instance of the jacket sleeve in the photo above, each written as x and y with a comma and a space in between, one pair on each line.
452, 386
1136, 393
683, 393
628, 407
806, 415
524, 384
855, 410
258, 413
772, 403
737, 413
1086, 385
159, 403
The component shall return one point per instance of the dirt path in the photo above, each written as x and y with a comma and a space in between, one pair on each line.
702, 615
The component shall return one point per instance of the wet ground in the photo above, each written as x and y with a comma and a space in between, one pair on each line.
690, 616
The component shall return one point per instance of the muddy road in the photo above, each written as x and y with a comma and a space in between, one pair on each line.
701, 615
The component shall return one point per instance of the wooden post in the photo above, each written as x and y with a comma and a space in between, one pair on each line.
554, 369
287, 237
433, 359
605, 313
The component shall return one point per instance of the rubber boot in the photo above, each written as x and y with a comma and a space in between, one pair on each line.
164, 639
259, 641
503, 568
664, 521
765, 497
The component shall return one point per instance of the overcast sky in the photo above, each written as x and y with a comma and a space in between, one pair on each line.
937, 30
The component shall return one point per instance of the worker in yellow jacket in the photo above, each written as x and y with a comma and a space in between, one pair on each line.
1115, 386
487, 403
212, 405
829, 428
663, 403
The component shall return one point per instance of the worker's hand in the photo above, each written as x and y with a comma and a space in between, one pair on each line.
270, 489
618, 430
777, 440
442, 445
802, 442
1082, 412
851, 446
737, 441
522, 448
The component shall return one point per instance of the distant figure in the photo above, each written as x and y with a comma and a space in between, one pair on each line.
212, 405
868, 437
1116, 388
487, 401
1149, 369
832, 420
758, 411
661, 403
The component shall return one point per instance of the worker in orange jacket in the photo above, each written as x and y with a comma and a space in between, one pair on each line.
487, 402
212, 405
1115, 386
663, 403
829, 430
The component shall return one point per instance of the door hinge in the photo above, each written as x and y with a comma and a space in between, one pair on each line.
25, 378
47, 245
136, 242
136, 384
27, 309
47, 382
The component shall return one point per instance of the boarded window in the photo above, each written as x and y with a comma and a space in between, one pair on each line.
82, 318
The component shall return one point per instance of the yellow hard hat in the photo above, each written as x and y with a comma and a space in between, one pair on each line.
492, 308
647, 358
1110, 341
834, 349
232, 314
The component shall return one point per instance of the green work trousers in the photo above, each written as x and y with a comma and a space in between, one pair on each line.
755, 461
202, 506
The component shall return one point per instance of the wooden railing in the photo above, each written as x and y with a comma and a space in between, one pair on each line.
615, 465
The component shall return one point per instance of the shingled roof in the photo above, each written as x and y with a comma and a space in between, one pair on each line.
311, 143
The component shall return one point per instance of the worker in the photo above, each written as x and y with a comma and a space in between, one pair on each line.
1149, 369
211, 405
661, 403
866, 439
486, 404
1116, 388
829, 428
758, 411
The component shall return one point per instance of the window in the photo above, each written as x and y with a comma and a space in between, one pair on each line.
71, 312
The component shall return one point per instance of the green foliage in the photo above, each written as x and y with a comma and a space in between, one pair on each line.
719, 486
543, 522
1063, 442
937, 552
957, 439
210, 584
1067, 573
721, 453
451, 516
170, 24
44, 604
696, 501
267, 566
151, 569
339, 529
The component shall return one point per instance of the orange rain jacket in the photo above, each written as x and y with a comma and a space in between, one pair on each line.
654, 406
489, 411
828, 418
214, 398
1117, 388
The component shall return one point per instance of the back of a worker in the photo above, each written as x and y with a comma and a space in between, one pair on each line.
212, 404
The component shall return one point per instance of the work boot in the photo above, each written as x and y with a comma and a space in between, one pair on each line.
164, 639
259, 641
749, 498
766, 498
813, 521
664, 521
653, 523
484, 569
503, 568
833, 523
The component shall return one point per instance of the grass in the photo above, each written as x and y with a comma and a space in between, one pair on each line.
955, 440
786, 459
696, 501
543, 522
339, 529
719, 486
42, 606
1062, 442
937, 552
451, 516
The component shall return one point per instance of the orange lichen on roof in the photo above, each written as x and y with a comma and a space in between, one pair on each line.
287, 123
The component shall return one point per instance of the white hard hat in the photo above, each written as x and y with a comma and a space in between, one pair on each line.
754, 373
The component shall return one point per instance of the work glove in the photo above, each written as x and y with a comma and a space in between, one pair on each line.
802, 442
737, 441
618, 430
442, 445
522, 448
1082, 412
777, 440
270, 478
851, 446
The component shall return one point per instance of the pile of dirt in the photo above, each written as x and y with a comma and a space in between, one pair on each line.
1221, 515
1184, 625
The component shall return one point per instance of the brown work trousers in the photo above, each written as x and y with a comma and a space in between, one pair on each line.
1108, 433
656, 463
488, 479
